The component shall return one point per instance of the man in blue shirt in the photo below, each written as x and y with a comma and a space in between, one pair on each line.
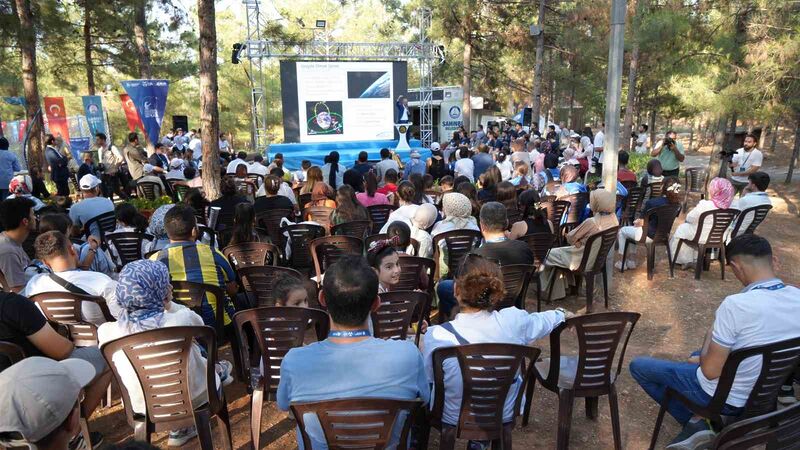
482, 160
8, 165
350, 363
415, 165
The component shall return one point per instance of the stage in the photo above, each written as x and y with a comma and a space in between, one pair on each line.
294, 154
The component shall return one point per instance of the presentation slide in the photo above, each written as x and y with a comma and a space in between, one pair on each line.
336, 101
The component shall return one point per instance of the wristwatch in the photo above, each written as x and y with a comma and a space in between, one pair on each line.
562, 311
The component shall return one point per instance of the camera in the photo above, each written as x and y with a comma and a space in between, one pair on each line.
668, 141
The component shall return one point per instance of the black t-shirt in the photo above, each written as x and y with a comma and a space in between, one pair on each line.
508, 252
227, 203
19, 318
276, 202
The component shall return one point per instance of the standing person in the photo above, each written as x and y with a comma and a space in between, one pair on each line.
671, 154
641, 139
386, 163
59, 170
747, 161
8, 165
436, 164
16, 216
598, 143
225, 148
333, 172
415, 165
404, 114
135, 156
465, 166
111, 159
482, 160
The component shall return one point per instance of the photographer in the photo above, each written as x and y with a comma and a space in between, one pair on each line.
671, 153
745, 162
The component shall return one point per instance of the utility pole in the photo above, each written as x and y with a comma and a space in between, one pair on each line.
616, 51
538, 31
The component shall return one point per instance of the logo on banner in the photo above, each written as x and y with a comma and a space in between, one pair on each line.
149, 99
93, 107
454, 112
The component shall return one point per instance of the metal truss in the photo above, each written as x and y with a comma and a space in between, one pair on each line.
258, 101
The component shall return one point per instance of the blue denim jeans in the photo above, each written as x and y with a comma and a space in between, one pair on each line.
656, 375
447, 297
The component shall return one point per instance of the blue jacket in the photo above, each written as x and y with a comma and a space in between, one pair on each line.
58, 164
415, 165
399, 113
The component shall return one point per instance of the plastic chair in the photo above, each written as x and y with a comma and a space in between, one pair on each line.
778, 361
665, 215
355, 228
10, 354
257, 282
516, 279
191, 295
415, 273
300, 236
64, 309
127, 246
714, 239
695, 181
631, 205
275, 330
328, 249
319, 214
540, 244
458, 244
590, 374
179, 190
247, 189
379, 214
757, 214
256, 178
251, 254
577, 207
106, 223
777, 430
396, 314
149, 190
377, 237
555, 211
160, 359
270, 220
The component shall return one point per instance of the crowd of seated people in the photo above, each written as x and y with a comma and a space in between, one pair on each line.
494, 187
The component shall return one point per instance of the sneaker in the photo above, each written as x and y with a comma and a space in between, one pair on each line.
178, 438
78, 443
629, 265
694, 436
225, 372
786, 396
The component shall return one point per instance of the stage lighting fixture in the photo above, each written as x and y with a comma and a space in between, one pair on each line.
320, 24
237, 49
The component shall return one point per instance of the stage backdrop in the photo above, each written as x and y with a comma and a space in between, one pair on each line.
337, 101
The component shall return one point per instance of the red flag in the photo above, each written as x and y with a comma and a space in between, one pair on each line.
23, 128
57, 117
130, 113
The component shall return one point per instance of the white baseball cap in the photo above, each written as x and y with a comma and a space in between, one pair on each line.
88, 182
435, 146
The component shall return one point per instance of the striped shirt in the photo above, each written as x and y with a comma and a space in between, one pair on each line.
198, 263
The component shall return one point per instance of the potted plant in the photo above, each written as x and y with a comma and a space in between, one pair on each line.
146, 207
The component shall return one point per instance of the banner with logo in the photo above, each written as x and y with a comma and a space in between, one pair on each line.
56, 115
93, 108
150, 99
130, 113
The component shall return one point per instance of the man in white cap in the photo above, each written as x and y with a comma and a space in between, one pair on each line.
92, 204
150, 176
41, 400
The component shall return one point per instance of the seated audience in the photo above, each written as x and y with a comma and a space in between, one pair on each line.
471, 192
229, 199
129, 220
549, 174
289, 291
420, 196
348, 208
90, 255
285, 189
764, 312
176, 168
424, 218
150, 177
507, 195
323, 370
322, 195
570, 183
16, 216
405, 194
520, 176
655, 174
623, 173
720, 195
272, 200
505, 166
156, 227
456, 213
244, 225
145, 295
362, 164
383, 167
489, 181
193, 179
415, 165
371, 196
754, 194
91, 206
241, 158
313, 176
21, 185
402, 232
384, 259
332, 171
465, 166
354, 179
389, 186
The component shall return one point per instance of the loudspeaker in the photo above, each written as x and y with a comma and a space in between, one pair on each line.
181, 122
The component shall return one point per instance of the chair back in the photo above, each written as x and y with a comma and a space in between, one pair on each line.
257, 282
10, 354
160, 359
128, 245
304, 199
458, 244
665, 216
487, 372
656, 189
596, 250
276, 330
246, 189
328, 249
379, 214
599, 339
629, 185
540, 244
398, 310
577, 207
301, 235
270, 220
149, 190
357, 423
106, 223
632, 204
555, 211
64, 308
756, 215
777, 430
514, 215
355, 228
207, 231
251, 254
255, 178
696, 179
381, 236
4, 286
319, 214
179, 189
516, 278
191, 295
415, 273
712, 226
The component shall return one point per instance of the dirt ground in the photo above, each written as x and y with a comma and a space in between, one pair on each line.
676, 314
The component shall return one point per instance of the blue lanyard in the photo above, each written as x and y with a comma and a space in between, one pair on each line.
349, 334
774, 287
493, 241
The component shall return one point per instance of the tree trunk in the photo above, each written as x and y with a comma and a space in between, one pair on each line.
795, 153
87, 46
27, 45
763, 138
140, 33
774, 137
466, 106
571, 107
729, 143
627, 122
209, 112
536, 107
715, 164
652, 128
691, 136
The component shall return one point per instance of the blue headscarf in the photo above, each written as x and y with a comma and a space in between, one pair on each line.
141, 290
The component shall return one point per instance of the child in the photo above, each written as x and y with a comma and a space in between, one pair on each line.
290, 291
446, 184
402, 232
385, 261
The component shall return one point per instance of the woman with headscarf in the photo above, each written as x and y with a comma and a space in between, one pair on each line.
602, 203
457, 215
21, 185
145, 295
321, 195
332, 171
720, 194
424, 218
156, 227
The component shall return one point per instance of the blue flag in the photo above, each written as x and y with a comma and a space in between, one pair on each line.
93, 107
150, 99
17, 101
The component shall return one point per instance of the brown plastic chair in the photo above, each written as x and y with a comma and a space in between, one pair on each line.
695, 181
191, 295
275, 330
487, 371
257, 282
593, 262
715, 239
379, 214
4, 286
270, 221
516, 279
778, 361
127, 246
778, 430
301, 235
304, 199
555, 210
10, 354
458, 244
577, 206
160, 359
665, 215
540, 244
590, 374
252, 254
377, 237
64, 308
255, 178
149, 190
319, 214
656, 189
328, 249
415, 273
514, 215
106, 223
355, 228
756, 213
246, 189
357, 423
397, 313
631, 205
629, 184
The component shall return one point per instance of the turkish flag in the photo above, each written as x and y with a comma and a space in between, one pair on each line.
57, 117
130, 113
23, 128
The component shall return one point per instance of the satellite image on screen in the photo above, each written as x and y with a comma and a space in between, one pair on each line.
324, 118
368, 85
